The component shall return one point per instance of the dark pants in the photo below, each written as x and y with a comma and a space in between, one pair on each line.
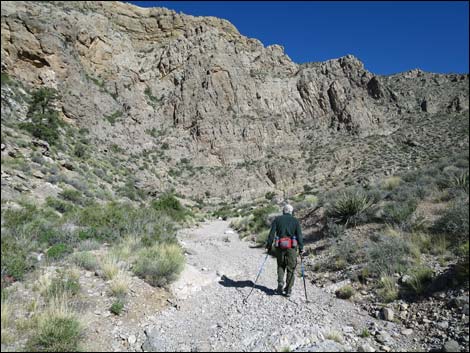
286, 260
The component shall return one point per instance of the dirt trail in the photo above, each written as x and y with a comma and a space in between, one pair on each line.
209, 314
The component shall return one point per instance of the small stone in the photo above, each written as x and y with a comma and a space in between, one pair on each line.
388, 314
365, 348
3, 147
451, 346
132, 339
348, 329
443, 325
407, 332
37, 174
385, 348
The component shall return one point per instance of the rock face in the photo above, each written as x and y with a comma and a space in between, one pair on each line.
194, 88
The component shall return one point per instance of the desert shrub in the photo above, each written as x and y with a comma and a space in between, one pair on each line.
58, 330
113, 118
388, 290
351, 207
269, 195
334, 230
170, 205
388, 255
14, 261
13, 218
85, 260
117, 220
391, 183
462, 266
399, 213
59, 205
130, 191
454, 221
58, 251
80, 150
262, 237
420, 278
345, 292
65, 284
160, 264
71, 195
109, 266
50, 235
365, 333
119, 286
348, 250
7, 311
259, 222
88, 245
117, 307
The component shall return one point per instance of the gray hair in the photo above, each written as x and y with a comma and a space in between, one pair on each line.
288, 209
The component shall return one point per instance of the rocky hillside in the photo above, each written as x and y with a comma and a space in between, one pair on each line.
169, 101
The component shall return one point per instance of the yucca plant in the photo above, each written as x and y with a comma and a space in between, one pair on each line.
350, 207
461, 182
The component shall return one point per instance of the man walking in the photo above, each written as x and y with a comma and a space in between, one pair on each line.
287, 237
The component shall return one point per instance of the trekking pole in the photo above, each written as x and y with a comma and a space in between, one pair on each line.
303, 276
256, 280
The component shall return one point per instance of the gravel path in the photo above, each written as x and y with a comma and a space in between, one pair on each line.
209, 314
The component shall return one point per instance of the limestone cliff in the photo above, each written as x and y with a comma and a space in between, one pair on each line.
225, 116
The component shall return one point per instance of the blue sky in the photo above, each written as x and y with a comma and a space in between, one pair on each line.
388, 37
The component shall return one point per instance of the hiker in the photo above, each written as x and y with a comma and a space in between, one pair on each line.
287, 237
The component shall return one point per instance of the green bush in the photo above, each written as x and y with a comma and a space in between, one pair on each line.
388, 255
462, 266
262, 237
65, 283
388, 291
59, 205
420, 278
56, 334
50, 236
260, 218
58, 251
85, 260
345, 292
454, 221
71, 195
14, 260
160, 264
399, 213
112, 118
348, 250
117, 307
80, 150
351, 207
334, 230
269, 195
170, 205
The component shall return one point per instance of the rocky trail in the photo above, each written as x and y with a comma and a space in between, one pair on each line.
208, 312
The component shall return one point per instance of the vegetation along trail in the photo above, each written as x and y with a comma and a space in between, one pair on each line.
209, 313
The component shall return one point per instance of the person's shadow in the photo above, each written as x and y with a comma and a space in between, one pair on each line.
227, 282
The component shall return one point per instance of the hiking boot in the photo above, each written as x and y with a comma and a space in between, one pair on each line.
287, 294
279, 290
